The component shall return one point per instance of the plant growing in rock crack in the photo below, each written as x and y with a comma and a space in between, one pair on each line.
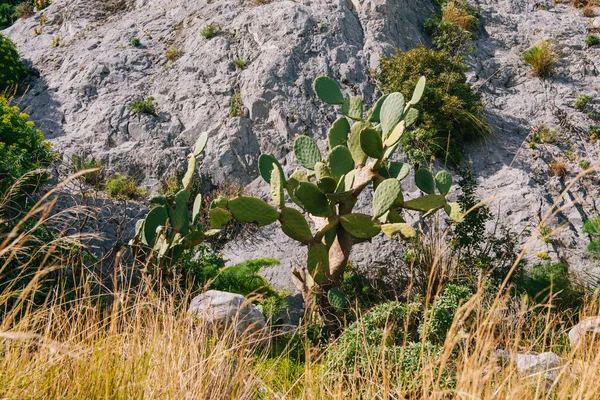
328, 189
240, 63
211, 30
145, 106
168, 230
542, 59
592, 40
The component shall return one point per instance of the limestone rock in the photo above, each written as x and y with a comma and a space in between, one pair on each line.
589, 328
532, 365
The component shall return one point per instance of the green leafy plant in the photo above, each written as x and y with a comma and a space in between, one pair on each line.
592, 228
594, 132
358, 156
451, 111
85, 162
592, 40
122, 186
236, 105
240, 63
169, 229
135, 42
11, 68
543, 280
145, 106
23, 150
211, 30
582, 102
452, 30
542, 134
542, 59
438, 318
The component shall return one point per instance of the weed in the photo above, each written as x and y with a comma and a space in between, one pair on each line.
240, 63
173, 54
582, 102
236, 106
122, 186
211, 30
558, 168
55, 42
135, 42
84, 162
592, 40
145, 106
542, 59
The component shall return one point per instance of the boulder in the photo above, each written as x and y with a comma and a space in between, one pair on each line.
533, 365
223, 310
588, 328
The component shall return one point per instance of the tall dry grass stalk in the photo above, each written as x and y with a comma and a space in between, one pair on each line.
145, 345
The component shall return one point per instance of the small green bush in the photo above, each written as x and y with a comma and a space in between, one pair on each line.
592, 40
11, 68
84, 162
440, 315
451, 111
145, 106
211, 30
123, 186
22, 149
135, 42
240, 63
542, 59
582, 102
543, 279
592, 228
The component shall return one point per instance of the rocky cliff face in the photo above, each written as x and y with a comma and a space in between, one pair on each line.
84, 85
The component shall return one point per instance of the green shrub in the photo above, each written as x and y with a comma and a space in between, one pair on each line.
84, 162
542, 59
451, 112
236, 106
594, 132
543, 279
22, 149
135, 42
582, 102
145, 106
592, 40
592, 228
240, 63
440, 314
123, 187
11, 68
452, 29
24, 10
7, 15
211, 30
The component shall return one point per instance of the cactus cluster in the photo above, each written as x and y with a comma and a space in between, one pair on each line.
328, 187
169, 229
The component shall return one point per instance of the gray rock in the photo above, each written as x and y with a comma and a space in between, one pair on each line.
223, 310
589, 328
533, 365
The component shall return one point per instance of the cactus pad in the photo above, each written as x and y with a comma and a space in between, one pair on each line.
322, 170
265, 166
443, 181
396, 134
340, 161
424, 181
318, 262
219, 217
189, 175
385, 196
455, 212
336, 298
155, 218
404, 229
162, 200
397, 170
328, 90
250, 209
371, 143
294, 225
220, 201
425, 203
313, 200
353, 108
411, 117
358, 155
375, 114
327, 185
391, 112
338, 133
196, 208
179, 216
418, 93
360, 225
307, 152
200, 144
277, 193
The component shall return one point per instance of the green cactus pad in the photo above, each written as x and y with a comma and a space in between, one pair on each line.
391, 112
385, 196
443, 181
220, 201
179, 216
396, 134
360, 225
328, 90
277, 193
390, 150
339, 196
193, 239
396, 170
358, 155
138, 227
353, 108
313, 200
404, 229
340, 161
371, 143
250, 209
425, 203
327, 185
219, 217
155, 218
455, 212
424, 181
418, 93
201, 144
162, 200
375, 114
411, 117
307, 152
318, 262
336, 298
395, 218
338, 133
196, 208
322, 171
189, 175
265, 166
349, 180
294, 225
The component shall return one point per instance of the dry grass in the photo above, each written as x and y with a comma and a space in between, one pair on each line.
589, 11
458, 12
558, 168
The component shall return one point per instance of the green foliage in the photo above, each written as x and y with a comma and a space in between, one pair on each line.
240, 63
122, 186
438, 318
236, 105
40, 5
135, 42
211, 30
592, 40
84, 162
592, 228
451, 112
542, 59
11, 68
173, 54
145, 106
22, 150
582, 102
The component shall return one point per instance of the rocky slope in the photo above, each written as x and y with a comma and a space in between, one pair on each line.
84, 85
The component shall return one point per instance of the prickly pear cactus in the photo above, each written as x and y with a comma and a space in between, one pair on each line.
169, 228
360, 148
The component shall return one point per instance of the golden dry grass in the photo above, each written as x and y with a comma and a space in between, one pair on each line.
457, 12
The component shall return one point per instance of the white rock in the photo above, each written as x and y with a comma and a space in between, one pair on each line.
532, 365
589, 327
